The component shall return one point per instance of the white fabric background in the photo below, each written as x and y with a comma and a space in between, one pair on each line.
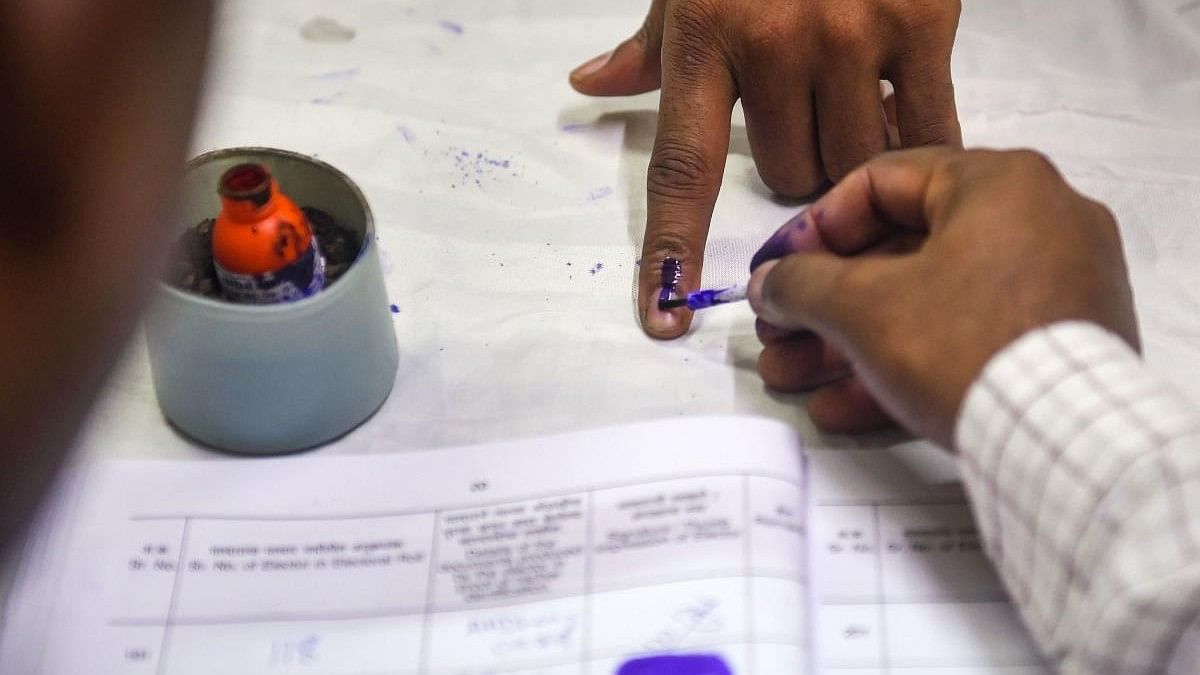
504, 331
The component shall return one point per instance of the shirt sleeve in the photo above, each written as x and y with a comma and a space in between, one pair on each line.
1083, 469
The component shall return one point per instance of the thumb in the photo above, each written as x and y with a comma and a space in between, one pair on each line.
810, 291
632, 68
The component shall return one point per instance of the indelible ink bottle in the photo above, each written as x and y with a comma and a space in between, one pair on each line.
264, 250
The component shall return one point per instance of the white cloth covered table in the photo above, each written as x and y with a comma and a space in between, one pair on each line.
510, 209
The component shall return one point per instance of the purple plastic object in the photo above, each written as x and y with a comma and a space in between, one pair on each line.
677, 664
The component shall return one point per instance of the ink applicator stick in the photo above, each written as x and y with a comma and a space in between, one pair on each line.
668, 298
707, 298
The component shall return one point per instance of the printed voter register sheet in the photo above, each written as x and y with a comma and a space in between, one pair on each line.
717, 542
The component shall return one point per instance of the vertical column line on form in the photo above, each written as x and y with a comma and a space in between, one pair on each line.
169, 626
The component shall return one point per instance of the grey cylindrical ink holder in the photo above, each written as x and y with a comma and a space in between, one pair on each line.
269, 379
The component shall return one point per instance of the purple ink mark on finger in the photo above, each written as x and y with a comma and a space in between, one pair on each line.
452, 26
678, 664
672, 271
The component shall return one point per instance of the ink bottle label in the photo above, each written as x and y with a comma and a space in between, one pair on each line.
298, 280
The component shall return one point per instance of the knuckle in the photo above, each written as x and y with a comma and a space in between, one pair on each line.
1032, 160
692, 44
931, 16
1104, 214
769, 35
933, 132
1106, 221
649, 35
642, 36
679, 171
792, 184
848, 34
780, 373
976, 157
952, 169
694, 22
670, 241
840, 165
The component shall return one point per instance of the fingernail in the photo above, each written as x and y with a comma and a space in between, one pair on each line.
592, 66
660, 322
784, 241
754, 295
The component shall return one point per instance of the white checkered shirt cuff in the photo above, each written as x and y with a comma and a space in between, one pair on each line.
1084, 473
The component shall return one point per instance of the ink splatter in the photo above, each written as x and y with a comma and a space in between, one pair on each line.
407, 134
344, 74
672, 271
477, 168
575, 127
596, 268
324, 29
600, 193
395, 308
326, 100
451, 26
681, 664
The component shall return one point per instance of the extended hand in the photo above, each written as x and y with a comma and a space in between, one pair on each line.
919, 267
808, 74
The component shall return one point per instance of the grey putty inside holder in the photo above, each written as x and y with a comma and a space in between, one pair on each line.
269, 379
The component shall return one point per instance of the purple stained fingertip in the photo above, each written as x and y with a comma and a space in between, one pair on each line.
781, 243
672, 271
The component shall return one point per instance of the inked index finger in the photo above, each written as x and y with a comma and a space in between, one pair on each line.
686, 165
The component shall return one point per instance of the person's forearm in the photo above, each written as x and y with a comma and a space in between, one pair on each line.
1084, 471
99, 104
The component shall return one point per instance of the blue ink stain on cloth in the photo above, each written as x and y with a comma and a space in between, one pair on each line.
680, 664
328, 100
452, 26
343, 74
478, 167
395, 309
600, 193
